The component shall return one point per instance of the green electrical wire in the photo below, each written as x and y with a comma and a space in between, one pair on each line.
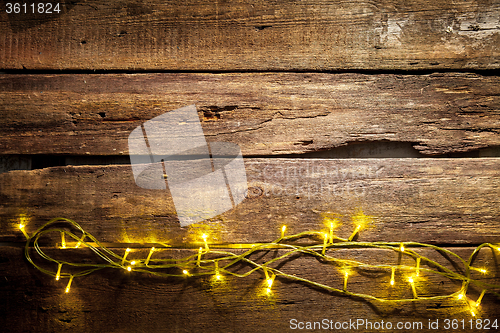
195, 266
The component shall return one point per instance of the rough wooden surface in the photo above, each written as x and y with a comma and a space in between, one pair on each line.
257, 35
444, 201
71, 117
119, 301
265, 114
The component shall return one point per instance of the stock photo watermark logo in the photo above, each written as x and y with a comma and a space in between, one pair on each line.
204, 179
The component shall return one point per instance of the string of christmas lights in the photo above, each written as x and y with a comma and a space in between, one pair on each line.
201, 264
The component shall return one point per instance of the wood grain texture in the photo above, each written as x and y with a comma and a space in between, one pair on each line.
441, 201
256, 35
118, 301
265, 114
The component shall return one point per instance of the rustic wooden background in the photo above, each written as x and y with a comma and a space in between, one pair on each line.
399, 101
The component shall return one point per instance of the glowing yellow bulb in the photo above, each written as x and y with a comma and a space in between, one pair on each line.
402, 248
204, 236
346, 276
133, 262
58, 274
69, 284
218, 276
270, 280
478, 302
393, 269
332, 226
63, 240
460, 296
411, 280
129, 268
481, 270
268, 290
21, 227
149, 255
472, 313
283, 229
185, 272
358, 228
199, 256
80, 242
361, 221
127, 251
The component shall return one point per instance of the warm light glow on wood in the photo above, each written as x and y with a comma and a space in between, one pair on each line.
331, 231
325, 240
393, 269
204, 236
21, 227
358, 228
191, 267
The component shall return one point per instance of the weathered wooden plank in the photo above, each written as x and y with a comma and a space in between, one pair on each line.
119, 301
280, 113
249, 35
440, 201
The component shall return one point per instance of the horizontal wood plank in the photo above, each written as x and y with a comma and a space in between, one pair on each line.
443, 201
119, 301
265, 114
254, 35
